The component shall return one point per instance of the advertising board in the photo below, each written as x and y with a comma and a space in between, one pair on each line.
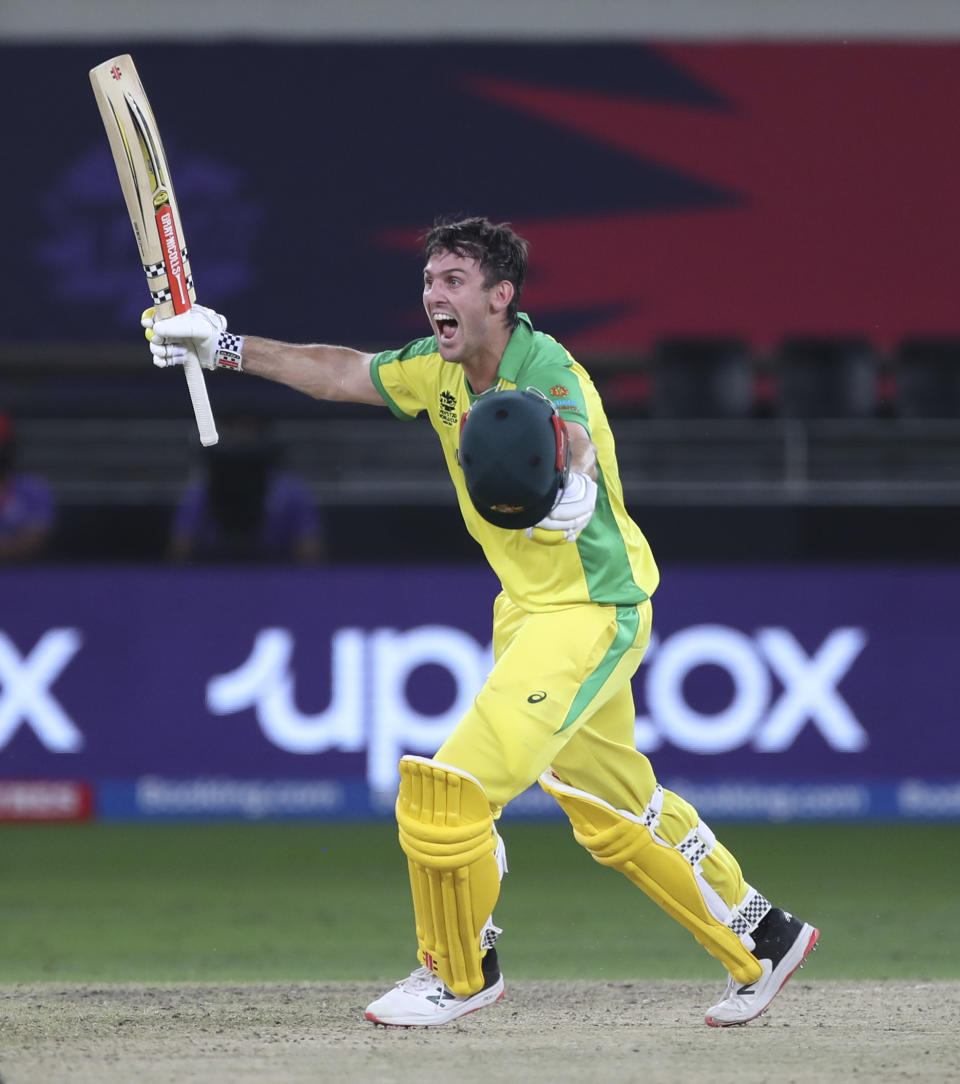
766, 692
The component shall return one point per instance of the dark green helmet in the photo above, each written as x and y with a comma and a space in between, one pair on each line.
514, 453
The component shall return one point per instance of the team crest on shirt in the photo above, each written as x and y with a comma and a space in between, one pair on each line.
448, 408
559, 391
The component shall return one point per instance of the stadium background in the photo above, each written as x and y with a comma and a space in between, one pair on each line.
742, 223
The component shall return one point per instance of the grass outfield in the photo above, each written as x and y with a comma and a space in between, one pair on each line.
295, 901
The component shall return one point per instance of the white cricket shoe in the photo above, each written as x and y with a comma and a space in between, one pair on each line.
782, 943
423, 1000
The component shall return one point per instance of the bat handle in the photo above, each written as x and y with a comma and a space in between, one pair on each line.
197, 387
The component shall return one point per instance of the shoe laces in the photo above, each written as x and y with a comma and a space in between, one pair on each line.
419, 981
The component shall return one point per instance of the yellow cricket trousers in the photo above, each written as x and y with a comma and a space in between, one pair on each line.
559, 696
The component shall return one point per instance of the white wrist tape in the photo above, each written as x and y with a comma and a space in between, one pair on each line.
229, 352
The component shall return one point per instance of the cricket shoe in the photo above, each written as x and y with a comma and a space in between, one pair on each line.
423, 999
781, 944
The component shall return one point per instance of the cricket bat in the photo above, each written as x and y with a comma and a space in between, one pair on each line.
148, 191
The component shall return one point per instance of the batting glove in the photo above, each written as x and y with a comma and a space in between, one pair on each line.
199, 332
575, 505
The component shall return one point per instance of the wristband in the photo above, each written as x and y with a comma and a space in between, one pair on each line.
229, 352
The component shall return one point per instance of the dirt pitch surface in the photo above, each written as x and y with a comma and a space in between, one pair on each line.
588, 1032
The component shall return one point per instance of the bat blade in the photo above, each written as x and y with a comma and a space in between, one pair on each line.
152, 206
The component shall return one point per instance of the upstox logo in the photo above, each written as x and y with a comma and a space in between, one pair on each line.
369, 708
753, 716
778, 691
26, 697
772, 690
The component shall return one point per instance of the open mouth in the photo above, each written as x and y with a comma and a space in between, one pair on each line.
446, 326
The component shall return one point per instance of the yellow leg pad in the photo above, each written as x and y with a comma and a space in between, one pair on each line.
667, 878
447, 834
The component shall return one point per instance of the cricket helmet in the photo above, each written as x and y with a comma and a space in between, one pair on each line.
514, 453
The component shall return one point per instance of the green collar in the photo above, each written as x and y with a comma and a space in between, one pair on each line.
517, 349
516, 353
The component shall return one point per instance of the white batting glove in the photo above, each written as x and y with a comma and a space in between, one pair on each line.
575, 505
200, 332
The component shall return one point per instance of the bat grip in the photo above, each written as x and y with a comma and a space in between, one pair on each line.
197, 387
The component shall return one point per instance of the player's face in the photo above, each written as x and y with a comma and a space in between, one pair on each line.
467, 317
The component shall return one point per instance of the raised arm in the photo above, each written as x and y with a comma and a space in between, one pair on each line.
336, 373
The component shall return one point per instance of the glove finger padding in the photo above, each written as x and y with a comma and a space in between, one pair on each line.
198, 330
169, 353
198, 334
573, 510
549, 537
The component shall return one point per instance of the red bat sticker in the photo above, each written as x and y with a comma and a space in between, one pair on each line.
171, 257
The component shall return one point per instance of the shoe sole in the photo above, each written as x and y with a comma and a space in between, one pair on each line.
435, 1023
713, 1022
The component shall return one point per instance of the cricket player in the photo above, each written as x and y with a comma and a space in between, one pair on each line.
570, 627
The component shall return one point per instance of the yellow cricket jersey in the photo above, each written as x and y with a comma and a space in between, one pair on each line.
610, 563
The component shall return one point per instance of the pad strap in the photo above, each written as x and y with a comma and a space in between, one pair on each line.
696, 845
746, 916
653, 809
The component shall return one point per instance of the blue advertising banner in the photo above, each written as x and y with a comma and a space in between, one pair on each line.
767, 692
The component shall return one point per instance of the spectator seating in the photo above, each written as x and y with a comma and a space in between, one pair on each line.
926, 378
826, 378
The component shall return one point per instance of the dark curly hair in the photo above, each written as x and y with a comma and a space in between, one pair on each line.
500, 252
